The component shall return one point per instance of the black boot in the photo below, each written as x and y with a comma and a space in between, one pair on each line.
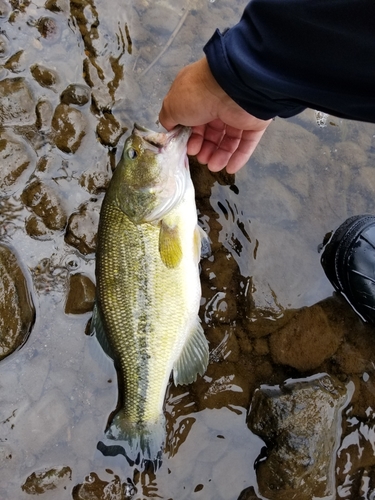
348, 260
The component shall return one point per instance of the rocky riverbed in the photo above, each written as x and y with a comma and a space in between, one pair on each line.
74, 77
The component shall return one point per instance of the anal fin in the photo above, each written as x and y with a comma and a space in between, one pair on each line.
193, 359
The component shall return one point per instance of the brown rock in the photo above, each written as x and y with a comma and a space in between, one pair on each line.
44, 76
49, 29
76, 94
44, 112
81, 295
306, 341
299, 422
16, 62
69, 127
248, 494
43, 202
82, 227
14, 159
109, 130
57, 5
36, 228
94, 487
16, 102
17, 311
40, 482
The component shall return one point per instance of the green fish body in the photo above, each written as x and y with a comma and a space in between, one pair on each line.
148, 286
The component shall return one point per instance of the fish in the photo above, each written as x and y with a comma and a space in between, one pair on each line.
148, 287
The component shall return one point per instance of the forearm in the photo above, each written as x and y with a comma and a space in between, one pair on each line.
286, 55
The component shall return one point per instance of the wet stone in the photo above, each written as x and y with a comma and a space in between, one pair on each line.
40, 482
248, 494
299, 422
17, 311
109, 130
69, 127
48, 28
307, 340
76, 94
82, 227
42, 200
94, 487
14, 160
16, 62
44, 112
44, 76
95, 181
36, 228
20, 4
16, 102
57, 5
81, 295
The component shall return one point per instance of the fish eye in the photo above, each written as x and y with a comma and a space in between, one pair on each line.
132, 153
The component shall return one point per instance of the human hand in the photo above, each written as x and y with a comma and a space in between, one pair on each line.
223, 133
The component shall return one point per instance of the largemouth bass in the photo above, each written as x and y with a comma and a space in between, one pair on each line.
148, 286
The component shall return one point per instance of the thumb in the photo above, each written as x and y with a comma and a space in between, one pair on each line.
166, 119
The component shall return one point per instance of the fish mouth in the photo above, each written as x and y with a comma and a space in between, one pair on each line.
159, 141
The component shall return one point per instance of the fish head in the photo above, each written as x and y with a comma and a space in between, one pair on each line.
153, 173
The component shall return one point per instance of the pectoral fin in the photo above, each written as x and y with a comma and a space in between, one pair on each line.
170, 244
193, 359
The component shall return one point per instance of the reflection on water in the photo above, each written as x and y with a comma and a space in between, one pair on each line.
75, 75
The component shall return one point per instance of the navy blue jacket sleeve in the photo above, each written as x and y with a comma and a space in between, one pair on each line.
286, 55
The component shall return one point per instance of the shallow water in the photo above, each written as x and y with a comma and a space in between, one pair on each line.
265, 225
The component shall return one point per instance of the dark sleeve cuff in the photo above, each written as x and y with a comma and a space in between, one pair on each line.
252, 94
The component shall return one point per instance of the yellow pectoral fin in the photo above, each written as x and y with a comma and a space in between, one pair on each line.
170, 245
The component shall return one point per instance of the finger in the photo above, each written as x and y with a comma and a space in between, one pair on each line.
219, 160
213, 136
196, 140
249, 141
229, 144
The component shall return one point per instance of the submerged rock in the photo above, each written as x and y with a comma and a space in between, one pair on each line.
49, 29
36, 228
42, 481
69, 127
17, 311
76, 94
44, 112
14, 160
300, 423
44, 76
81, 295
307, 340
42, 200
248, 494
16, 102
82, 227
94, 487
109, 130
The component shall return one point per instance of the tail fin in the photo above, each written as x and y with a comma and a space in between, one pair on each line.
143, 440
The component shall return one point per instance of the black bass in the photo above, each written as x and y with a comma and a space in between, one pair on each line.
148, 286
